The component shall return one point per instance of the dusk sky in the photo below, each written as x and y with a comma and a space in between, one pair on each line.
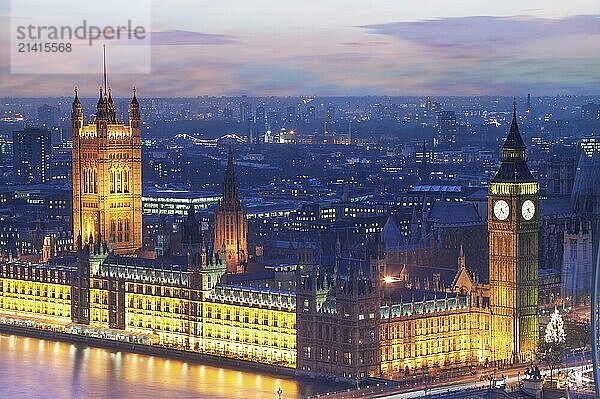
343, 47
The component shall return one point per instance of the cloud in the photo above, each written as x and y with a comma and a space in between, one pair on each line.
182, 37
478, 35
366, 44
448, 56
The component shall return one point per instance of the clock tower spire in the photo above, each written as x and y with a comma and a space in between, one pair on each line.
513, 226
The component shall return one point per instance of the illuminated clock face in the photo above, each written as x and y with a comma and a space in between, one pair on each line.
528, 209
501, 210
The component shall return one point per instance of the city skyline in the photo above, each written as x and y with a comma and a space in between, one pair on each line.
299, 199
332, 49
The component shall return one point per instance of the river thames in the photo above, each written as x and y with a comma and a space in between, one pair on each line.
32, 368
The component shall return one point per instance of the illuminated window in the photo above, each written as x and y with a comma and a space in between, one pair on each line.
113, 232
127, 230
120, 231
126, 181
119, 180
112, 181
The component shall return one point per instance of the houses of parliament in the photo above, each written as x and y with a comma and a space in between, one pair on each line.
350, 322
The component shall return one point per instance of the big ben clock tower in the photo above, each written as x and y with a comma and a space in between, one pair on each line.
513, 225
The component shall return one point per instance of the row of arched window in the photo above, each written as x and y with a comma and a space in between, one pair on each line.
90, 185
119, 180
120, 230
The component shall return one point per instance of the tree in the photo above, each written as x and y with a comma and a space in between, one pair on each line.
552, 347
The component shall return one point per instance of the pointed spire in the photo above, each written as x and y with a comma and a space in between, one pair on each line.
514, 157
104, 62
76, 99
134, 100
514, 139
112, 116
461, 259
231, 200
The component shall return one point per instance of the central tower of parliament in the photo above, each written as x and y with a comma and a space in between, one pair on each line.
107, 176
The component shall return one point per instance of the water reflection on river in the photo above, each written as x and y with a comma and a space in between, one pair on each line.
34, 368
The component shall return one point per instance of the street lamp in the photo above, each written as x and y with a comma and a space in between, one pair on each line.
388, 280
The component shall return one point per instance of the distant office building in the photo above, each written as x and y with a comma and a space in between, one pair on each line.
245, 111
48, 115
175, 202
260, 114
259, 125
330, 113
447, 127
61, 167
311, 114
291, 114
590, 111
227, 114
590, 145
32, 153
560, 175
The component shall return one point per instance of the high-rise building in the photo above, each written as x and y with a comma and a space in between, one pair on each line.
291, 115
513, 226
311, 114
260, 124
330, 113
447, 127
245, 111
560, 173
48, 115
231, 226
107, 176
260, 114
32, 153
590, 111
